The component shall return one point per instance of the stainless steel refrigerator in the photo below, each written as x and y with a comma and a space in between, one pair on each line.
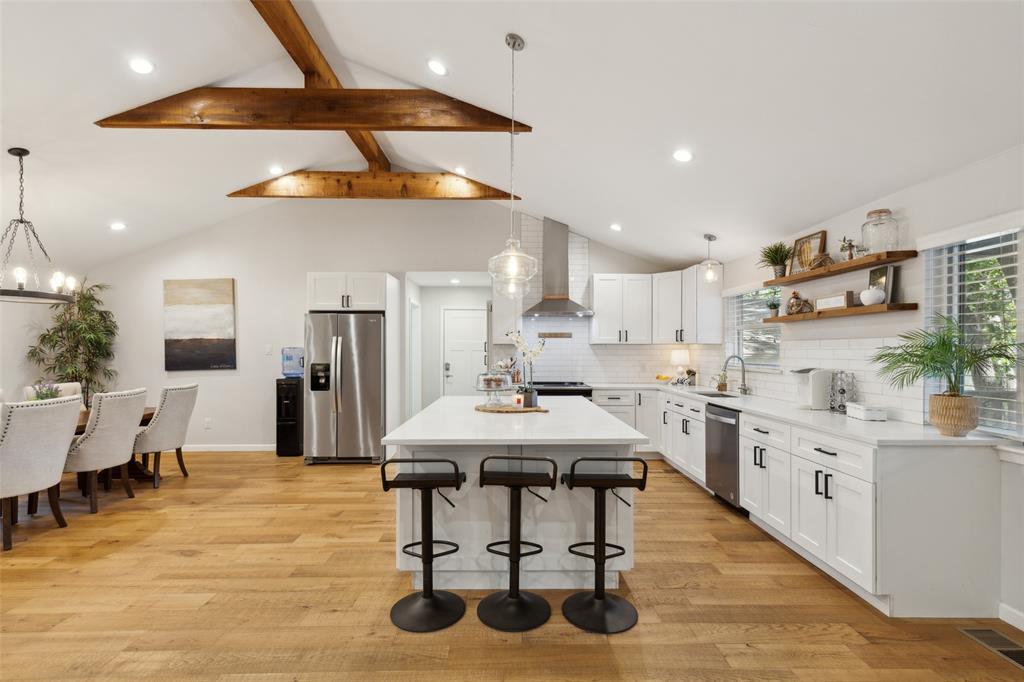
344, 401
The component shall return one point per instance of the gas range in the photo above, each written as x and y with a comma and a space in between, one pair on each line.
563, 388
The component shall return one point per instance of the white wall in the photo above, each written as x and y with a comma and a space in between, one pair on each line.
433, 299
1012, 565
20, 325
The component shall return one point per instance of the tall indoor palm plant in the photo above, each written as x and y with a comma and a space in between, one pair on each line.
80, 344
944, 352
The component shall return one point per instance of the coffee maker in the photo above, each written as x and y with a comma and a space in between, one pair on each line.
812, 388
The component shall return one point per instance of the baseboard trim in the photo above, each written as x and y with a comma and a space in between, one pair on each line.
1014, 617
230, 447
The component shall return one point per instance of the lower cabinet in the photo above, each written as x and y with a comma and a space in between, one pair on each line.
696, 450
626, 413
833, 518
648, 419
764, 483
683, 444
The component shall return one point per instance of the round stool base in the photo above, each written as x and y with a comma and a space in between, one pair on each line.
416, 613
609, 615
513, 614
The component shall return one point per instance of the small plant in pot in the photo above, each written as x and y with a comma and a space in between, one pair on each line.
773, 307
944, 352
776, 256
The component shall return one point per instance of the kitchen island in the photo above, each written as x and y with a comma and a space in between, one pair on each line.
451, 429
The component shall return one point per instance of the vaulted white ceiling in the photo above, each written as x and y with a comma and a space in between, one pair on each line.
794, 111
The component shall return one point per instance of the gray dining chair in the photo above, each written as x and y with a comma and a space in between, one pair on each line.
168, 428
34, 439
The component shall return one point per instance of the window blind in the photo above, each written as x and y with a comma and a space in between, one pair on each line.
746, 335
976, 281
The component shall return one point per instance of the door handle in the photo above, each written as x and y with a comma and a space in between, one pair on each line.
826, 452
664, 417
341, 377
333, 375
694, 409
620, 336
677, 336
682, 335
348, 300
755, 457
686, 426
762, 464
614, 397
817, 481
639, 398
827, 477
627, 336
762, 431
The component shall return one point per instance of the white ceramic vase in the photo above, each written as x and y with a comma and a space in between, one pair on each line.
872, 296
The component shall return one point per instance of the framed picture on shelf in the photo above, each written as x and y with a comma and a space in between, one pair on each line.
884, 278
805, 250
835, 302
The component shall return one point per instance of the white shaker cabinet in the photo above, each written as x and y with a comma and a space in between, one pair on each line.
648, 419
764, 483
622, 309
809, 522
346, 290
686, 307
667, 306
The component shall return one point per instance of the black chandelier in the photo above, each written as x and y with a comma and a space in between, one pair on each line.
61, 287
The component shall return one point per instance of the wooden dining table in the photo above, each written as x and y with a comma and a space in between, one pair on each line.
135, 469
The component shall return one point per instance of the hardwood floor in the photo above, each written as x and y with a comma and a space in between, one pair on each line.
257, 567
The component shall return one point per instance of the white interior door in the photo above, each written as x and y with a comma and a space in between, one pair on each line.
465, 337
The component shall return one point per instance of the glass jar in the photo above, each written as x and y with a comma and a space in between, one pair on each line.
881, 232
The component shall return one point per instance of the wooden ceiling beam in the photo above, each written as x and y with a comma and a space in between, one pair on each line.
370, 185
285, 22
312, 109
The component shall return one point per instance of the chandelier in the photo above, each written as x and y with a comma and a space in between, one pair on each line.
513, 268
61, 287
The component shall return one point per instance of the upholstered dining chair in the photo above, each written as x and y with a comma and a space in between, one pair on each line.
64, 390
108, 440
34, 439
168, 428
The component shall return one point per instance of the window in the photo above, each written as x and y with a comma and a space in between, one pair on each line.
746, 334
976, 282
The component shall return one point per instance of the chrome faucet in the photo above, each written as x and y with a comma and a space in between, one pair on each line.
744, 389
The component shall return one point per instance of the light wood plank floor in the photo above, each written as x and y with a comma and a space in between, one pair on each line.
261, 568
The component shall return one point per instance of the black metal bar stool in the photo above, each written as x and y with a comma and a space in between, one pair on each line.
515, 610
597, 610
429, 609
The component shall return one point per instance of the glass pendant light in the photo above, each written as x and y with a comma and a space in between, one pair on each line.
513, 268
709, 266
61, 287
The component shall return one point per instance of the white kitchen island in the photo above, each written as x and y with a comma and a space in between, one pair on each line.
451, 429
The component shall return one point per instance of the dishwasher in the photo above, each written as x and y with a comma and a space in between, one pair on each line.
723, 453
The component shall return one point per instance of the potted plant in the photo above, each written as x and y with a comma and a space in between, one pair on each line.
776, 256
80, 344
944, 352
847, 247
722, 381
773, 307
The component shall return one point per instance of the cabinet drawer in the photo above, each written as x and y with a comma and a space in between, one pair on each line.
855, 459
691, 409
614, 397
765, 431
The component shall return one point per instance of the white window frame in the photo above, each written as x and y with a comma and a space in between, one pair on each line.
733, 332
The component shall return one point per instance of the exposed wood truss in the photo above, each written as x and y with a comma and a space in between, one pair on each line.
370, 185
311, 109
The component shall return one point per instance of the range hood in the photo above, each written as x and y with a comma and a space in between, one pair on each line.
555, 274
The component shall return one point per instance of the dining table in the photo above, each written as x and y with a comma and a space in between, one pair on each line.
135, 469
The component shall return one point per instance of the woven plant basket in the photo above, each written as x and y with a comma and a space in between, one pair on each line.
953, 415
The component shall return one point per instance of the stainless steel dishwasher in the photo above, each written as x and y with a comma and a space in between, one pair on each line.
723, 453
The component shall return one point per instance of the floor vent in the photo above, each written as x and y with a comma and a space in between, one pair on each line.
998, 643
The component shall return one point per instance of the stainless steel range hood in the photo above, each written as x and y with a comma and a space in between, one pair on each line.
555, 274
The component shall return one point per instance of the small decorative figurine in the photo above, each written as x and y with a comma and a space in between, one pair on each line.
797, 305
847, 247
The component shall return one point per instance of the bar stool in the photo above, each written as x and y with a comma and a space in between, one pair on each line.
429, 609
597, 610
515, 610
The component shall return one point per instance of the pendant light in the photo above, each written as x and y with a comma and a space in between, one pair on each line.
709, 264
61, 287
512, 269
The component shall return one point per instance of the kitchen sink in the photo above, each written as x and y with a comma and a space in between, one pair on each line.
713, 394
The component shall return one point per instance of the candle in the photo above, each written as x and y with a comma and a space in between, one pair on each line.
518, 400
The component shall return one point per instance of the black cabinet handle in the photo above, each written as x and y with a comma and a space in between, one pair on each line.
627, 336
682, 335
613, 397
664, 417
620, 336
761, 431
755, 457
639, 398
817, 481
678, 405
826, 452
762, 464
827, 477
694, 409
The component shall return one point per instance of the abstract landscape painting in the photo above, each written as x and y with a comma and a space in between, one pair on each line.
199, 324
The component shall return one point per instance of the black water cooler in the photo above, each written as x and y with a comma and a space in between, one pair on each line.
289, 417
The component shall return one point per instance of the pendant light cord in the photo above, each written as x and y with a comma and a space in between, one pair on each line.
512, 156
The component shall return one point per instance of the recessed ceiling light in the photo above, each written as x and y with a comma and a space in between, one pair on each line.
682, 155
276, 170
455, 281
616, 227
117, 226
437, 67
460, 170
140, 65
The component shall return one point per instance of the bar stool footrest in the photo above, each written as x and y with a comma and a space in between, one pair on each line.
617, 550
534, 548
419, 555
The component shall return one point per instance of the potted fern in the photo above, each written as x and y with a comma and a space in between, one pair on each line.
776, 256
80, 343
944, 352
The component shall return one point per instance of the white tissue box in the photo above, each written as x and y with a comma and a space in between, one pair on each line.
865, 412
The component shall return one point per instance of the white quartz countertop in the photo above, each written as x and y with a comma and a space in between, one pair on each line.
571, 420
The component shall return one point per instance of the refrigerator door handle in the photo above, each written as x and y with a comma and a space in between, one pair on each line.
337, 365
333, 375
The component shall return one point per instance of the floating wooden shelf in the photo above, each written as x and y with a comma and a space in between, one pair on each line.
843, 312
869, 261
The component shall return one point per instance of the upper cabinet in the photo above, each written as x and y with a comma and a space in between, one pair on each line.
687, 307
346, 290
622, 309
